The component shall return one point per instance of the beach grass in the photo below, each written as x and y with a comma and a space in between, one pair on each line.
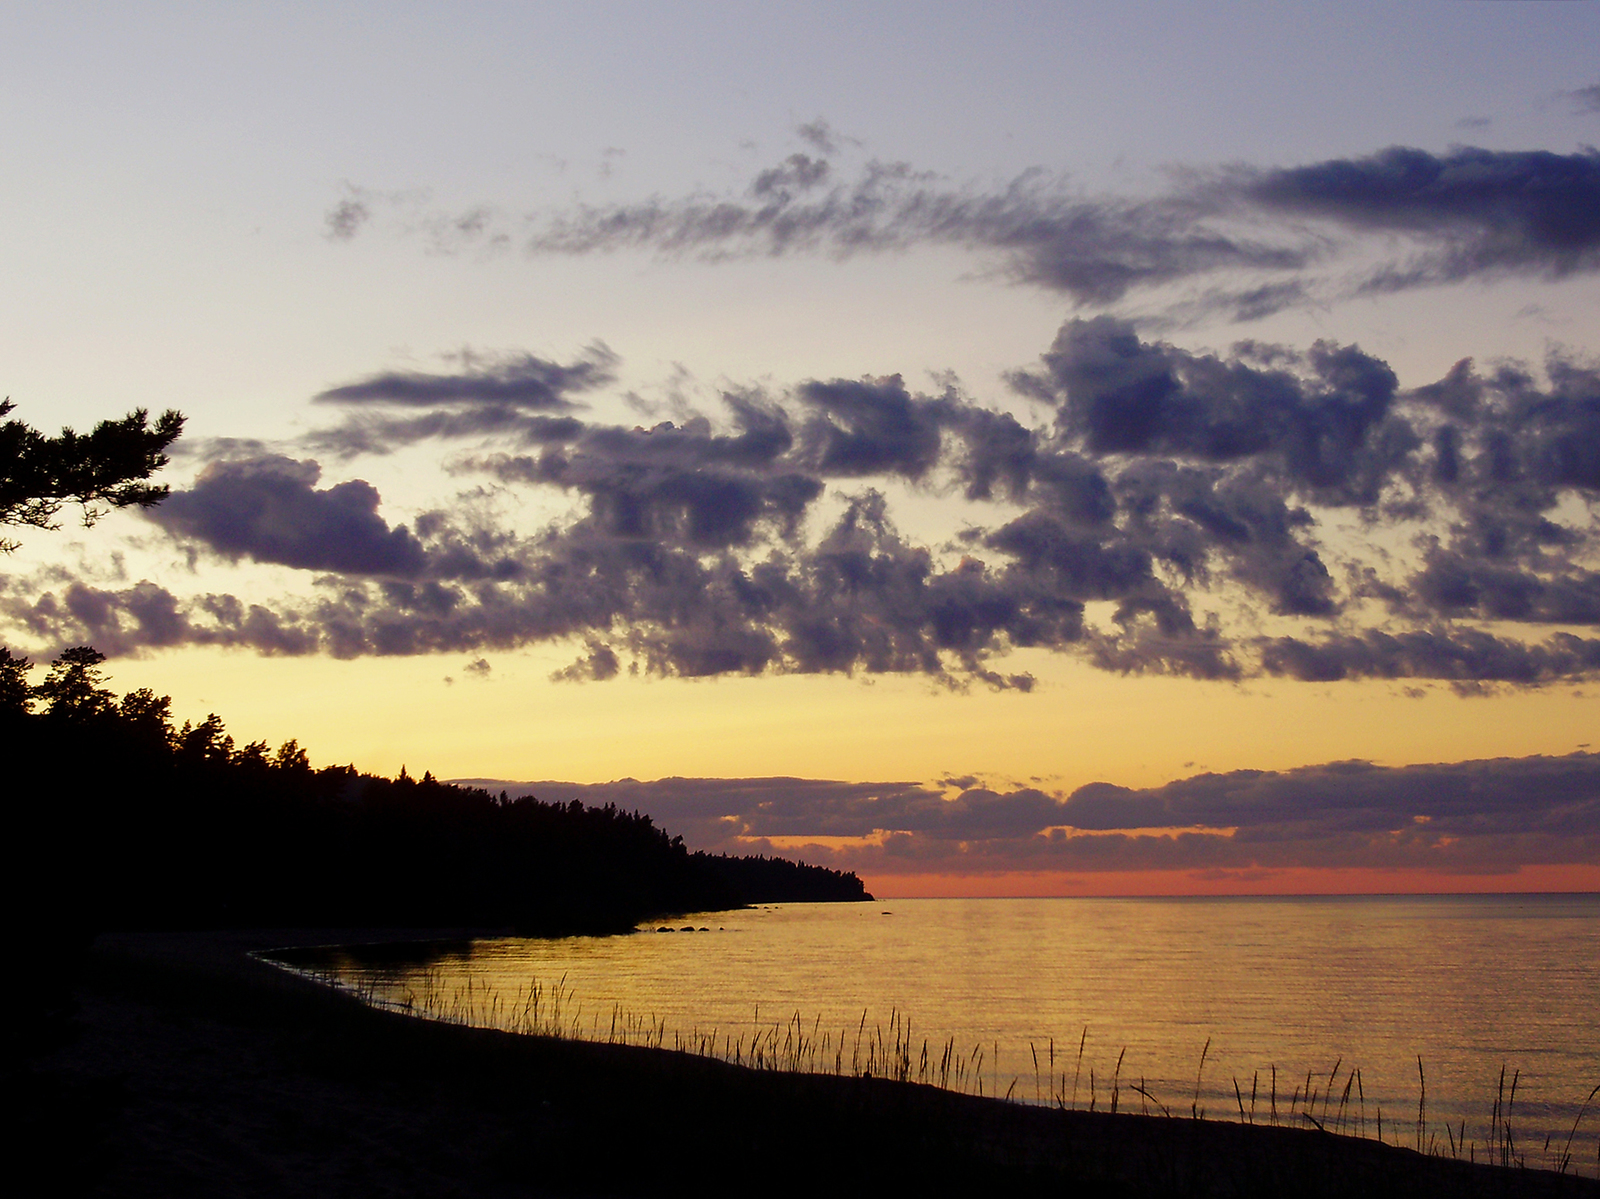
1328, 1106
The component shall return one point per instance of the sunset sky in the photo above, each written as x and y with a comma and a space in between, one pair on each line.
1039, 448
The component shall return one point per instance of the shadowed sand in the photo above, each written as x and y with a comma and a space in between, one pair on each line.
196, 1070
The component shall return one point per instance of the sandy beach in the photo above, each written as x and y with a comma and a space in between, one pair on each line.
194, 1069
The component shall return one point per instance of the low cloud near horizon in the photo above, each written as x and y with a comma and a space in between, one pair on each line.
1464, 819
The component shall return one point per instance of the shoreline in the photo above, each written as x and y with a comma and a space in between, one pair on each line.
199, 1069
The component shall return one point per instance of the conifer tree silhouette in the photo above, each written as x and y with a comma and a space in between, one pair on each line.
72, 690
102, 469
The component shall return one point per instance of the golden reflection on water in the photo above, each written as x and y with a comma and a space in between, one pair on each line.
1314, 987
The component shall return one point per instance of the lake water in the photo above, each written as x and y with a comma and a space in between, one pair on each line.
1042, 998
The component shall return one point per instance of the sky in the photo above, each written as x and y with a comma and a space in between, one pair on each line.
1025, 449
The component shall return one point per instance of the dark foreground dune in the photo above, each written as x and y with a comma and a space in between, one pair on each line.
195, 1070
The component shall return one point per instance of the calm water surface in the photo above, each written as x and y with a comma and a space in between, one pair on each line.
1469, 983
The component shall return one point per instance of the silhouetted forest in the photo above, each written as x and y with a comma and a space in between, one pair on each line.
132, 823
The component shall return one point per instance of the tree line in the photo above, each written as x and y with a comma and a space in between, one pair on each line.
132, 823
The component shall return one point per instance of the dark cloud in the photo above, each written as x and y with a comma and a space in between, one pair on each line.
715, 811
819, 135
1313, 418
1212, 515
1249, 303
1075, 566
1093, 250
797, 173
269, 509
146, 616
719, 811
1473, 211
368, 433
1586, 99
1456, 584
1457, 818
697, 507
1209, 464
509, 398
344, 219
993, 456
1461, 655
1231, 463
1246, 242
598, 665
676, 484
862, 598
521, 382
869, 427
1469, 817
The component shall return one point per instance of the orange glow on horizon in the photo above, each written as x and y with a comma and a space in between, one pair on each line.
1296, 881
